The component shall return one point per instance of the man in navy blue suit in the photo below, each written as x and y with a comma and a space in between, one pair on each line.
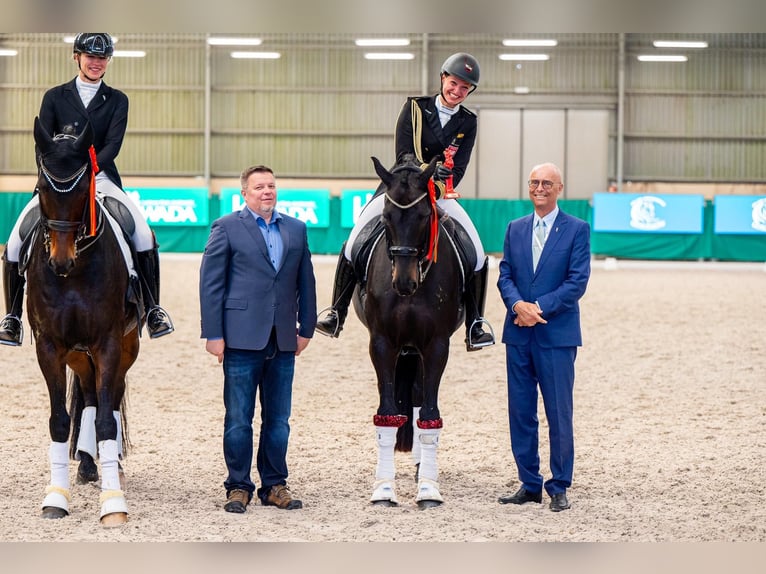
258, 308
543, 274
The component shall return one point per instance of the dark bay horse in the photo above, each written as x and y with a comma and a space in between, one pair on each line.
411, 303
77, 285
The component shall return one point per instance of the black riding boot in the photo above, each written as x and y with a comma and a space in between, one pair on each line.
158, 322
475, 298
11, 330
345, 281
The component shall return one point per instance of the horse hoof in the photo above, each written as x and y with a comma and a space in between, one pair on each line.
424, 504
86, 477
114, 519
386, 503
54, 512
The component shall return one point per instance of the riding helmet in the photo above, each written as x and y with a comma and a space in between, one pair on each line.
464, 66
94, 43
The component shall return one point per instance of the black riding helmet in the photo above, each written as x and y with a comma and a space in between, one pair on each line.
94, 43
463, 66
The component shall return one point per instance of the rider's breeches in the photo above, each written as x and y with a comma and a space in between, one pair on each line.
374, 209
142, 236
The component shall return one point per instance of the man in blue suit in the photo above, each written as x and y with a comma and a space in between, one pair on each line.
543, 274
258, 308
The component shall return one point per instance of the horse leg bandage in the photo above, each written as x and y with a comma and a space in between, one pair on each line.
429, 442
86, 441
108, 453
118, 420
57, 493
386, 437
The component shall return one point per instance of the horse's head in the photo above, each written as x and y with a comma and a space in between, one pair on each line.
409, 215
63, 185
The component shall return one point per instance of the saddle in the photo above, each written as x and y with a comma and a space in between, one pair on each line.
373, 231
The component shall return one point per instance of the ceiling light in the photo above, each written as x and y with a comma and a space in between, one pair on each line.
129, 54
654, 58
389, 56
382, 42
673, 44
530, 43
70, 39
521, 90
222, 41
4, 52
525, 57
257, 55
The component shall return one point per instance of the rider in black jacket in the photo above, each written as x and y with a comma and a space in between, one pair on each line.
68, 108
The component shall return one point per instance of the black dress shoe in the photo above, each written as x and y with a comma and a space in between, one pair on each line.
521, 496
559, 502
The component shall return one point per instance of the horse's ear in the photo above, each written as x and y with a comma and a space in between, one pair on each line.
86, 138
43, 139
383, 173
428, 171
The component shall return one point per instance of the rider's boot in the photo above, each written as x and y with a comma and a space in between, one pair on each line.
11, 330
158, 321
475, 298
345, 281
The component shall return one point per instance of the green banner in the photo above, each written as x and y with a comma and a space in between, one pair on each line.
172, 206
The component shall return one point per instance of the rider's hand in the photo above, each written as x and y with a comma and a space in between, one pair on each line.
442, 172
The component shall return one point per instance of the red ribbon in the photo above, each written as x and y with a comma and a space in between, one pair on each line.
433, 238
93, 172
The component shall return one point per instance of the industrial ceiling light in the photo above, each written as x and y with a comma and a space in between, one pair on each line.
224, 41
5, 52
525, 57
661, 58
389, 56
530, 43
679, 44
381, 42
256, 55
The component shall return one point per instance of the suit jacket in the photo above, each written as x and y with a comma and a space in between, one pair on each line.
107, 114
434, 139
242, 296
557, 285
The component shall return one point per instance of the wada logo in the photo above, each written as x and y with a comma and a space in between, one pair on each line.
643, 213
759, 214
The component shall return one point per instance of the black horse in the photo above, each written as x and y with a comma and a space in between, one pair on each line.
411, 303
78, 311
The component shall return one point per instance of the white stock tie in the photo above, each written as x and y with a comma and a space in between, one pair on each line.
538, 241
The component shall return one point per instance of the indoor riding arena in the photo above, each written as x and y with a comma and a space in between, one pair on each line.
669, 413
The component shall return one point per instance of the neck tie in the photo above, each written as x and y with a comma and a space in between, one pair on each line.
538, 241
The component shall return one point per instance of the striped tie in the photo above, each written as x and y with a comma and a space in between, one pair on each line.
538, 241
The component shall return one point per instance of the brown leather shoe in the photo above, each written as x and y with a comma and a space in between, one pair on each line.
279, 496
236, 501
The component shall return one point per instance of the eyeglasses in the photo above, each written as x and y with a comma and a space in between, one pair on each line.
546, 183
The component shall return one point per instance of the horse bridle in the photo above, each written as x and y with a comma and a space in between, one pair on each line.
65, 226
403, 250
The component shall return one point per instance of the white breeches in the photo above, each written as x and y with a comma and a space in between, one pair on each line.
374, 209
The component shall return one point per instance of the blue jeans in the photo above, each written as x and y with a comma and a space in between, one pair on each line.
270, 372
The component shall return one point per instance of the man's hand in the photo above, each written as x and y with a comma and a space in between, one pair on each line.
216, 347
441, 173
528, 314
303, 342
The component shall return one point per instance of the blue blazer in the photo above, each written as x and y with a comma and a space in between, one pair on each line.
557, 285
242, 296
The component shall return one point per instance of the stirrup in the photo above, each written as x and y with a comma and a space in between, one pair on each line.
8, 337
470, 345
164, 325
322, 329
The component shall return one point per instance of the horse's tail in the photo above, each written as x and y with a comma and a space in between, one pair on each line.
76, 406
407, 374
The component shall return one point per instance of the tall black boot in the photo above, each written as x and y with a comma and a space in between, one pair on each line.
475, 299
345, 281
11, 330
158, 321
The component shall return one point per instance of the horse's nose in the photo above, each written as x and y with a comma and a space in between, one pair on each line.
61, 268
405, 287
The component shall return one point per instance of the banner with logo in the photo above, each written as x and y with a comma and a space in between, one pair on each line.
311, 206
648, 213
351, 203
740, 214
172, 206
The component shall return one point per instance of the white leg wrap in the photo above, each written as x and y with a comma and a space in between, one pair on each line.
112, 497
429, 441
415, 435
57, 493
386, 441
86, 442
107, 453
383, 488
